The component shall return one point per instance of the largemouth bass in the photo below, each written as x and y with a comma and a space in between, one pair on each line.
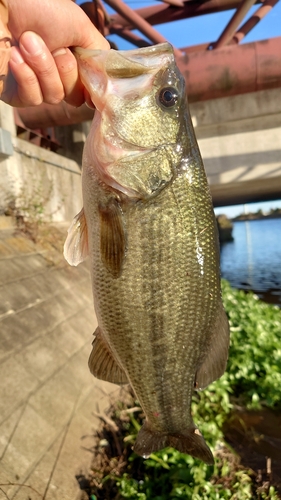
149, 228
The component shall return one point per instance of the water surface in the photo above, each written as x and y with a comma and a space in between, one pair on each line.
253, 260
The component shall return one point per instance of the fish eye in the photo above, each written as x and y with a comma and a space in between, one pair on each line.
168, 96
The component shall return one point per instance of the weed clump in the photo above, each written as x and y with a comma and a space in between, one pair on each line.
31, 207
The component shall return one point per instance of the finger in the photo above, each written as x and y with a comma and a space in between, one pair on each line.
68, 72
88, 99
36, 54
23, 89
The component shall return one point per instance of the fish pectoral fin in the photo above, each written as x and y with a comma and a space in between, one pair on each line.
214, 364
102, 363
190, 441
76, 247
112, 237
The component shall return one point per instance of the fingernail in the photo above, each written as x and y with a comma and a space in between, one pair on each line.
16, 56
32, 43
59, 52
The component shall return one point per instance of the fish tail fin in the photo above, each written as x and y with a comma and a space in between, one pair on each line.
193, 443
149, 441
190, 441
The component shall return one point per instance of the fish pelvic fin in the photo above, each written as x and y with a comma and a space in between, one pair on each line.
214, 363
76, 247
190, 442
102, 363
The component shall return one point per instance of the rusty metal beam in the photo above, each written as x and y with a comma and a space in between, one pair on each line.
197, 48
174, 3
136, 20
233, 24
254, 20
163, 13
232, 69
97, 14
130, 37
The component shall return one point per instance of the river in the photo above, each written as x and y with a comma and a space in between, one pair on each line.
253, 260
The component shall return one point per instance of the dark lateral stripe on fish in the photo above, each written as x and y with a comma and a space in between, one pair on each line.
157, 331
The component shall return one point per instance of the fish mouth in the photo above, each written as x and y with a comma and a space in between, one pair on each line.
126, 63
112, 78
98, 67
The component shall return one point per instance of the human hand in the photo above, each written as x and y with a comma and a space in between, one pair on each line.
42, 68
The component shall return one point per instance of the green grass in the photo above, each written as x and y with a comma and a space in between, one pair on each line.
254, 367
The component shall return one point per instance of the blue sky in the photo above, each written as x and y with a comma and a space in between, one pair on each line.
203, 29
206, 28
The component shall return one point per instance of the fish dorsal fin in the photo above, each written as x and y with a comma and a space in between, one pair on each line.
214, 364
102, 363
76, 247
112, 237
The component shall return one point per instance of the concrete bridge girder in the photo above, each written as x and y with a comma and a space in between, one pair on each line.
240, 142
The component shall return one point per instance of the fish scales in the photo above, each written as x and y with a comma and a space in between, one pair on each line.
151, 235
147, 317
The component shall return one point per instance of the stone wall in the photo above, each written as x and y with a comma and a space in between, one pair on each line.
31, 167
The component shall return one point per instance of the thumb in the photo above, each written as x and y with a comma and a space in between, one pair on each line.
59, 24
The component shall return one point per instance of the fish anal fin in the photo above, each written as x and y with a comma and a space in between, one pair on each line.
102, 363
76, 247
190, 441
214, 363
112, 237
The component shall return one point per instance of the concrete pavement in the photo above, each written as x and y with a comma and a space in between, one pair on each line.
47, 395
